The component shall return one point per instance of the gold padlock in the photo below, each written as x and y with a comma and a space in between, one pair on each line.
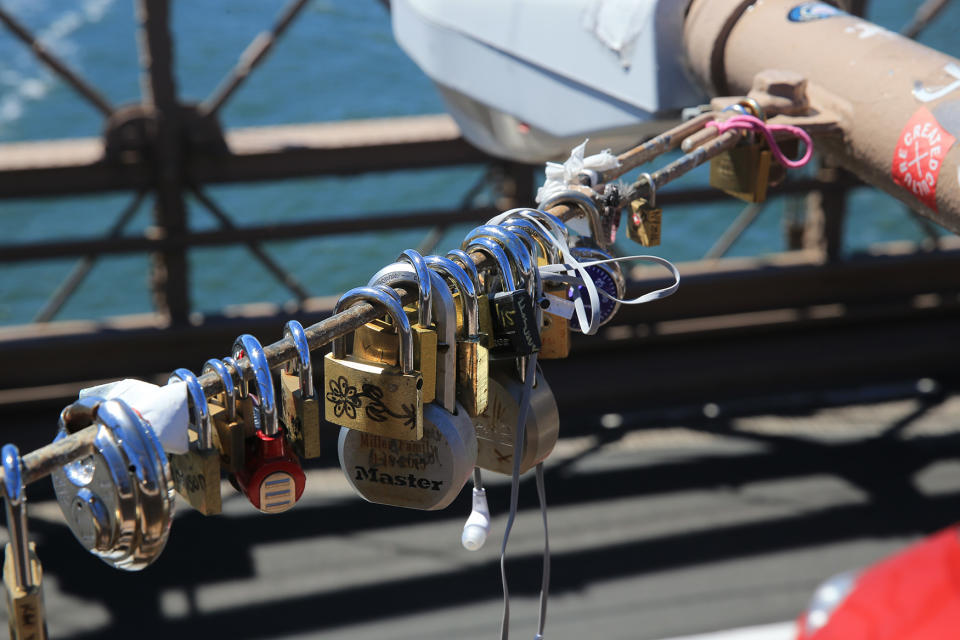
371, 396
196, 474
22, 573
555, 334
228, 431
473, 357
300, 409
743, 172
484, 319
376, 340
644, 223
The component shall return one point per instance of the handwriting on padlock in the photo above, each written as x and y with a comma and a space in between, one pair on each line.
346, 400
373, 474
190, 481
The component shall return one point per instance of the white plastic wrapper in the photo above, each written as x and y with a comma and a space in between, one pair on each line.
165, 408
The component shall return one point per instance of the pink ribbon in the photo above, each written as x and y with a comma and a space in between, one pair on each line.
752, 123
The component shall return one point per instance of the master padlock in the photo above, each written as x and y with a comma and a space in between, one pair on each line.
272, 478
473, 358
118, 501
368, 395
300, 407
228, 430
428, 474
196, 474
22, 573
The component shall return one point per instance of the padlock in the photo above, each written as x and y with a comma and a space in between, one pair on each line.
376, 340
370, 396
196, 474
247, 413
514, 318
484, 320
743, 172
22, 573
473, 358
585, 221
497, 427
228, 430
607, 277
118, 501
299, 407
644, 222
554, 327
272, 478
428, 474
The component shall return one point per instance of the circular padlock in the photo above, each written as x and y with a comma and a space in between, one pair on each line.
118, 502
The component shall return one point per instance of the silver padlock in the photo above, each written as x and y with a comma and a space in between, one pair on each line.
608, 278
118, 502
427, 474
22, 573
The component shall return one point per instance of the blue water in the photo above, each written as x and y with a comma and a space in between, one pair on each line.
338, 61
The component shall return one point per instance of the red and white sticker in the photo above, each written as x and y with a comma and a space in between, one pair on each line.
919, 155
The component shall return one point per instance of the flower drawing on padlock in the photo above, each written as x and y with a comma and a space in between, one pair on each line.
346, 400
378, 411
344, 397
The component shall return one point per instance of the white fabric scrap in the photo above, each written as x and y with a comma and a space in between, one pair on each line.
165, 408
560, 177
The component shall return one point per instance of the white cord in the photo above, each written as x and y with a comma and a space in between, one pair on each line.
515, 489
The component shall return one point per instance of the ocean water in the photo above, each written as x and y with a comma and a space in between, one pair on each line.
338, 61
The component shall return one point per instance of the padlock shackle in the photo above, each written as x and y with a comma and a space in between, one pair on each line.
402, 273
463, 259
247, 345
424, 293
229, 393
555, 225
544, 246
583, 203
468, 294
199, 411
518, 253
493, 250
15, 501
302, 366
389, 305
238, 384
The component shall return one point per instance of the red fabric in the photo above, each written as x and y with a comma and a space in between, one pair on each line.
914, 595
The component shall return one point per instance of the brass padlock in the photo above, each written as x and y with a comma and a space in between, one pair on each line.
300, 408
375, 340
22, 573
743, 172
196, 474
484, 320
644, 222
228, 430
430, 473
473, 358
371, 396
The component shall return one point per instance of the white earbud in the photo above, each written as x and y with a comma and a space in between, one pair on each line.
477, 527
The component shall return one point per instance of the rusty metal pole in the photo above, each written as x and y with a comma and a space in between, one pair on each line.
169, 277
898, 102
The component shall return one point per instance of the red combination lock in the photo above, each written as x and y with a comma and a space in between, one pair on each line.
271, 478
